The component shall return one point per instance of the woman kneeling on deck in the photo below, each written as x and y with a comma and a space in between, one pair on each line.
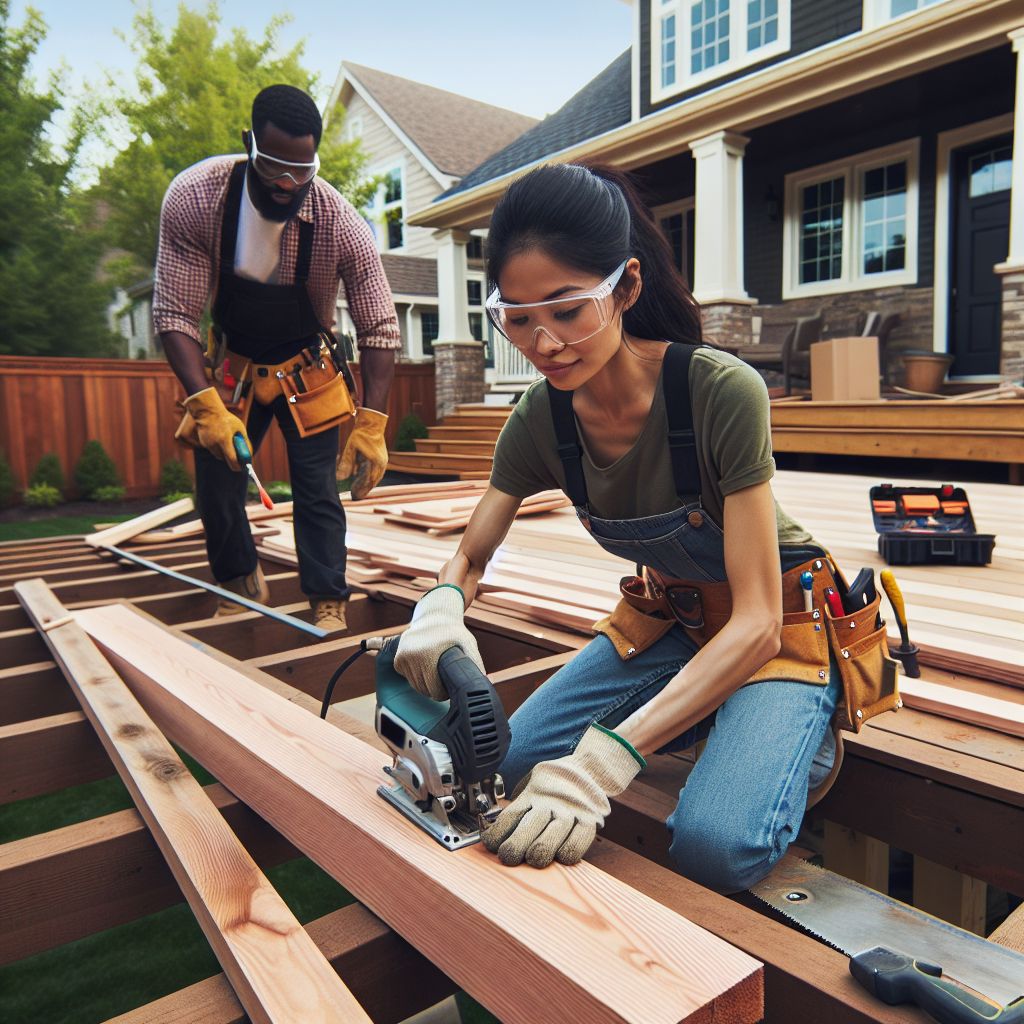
665, 450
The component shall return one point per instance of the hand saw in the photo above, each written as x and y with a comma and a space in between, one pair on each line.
896, 949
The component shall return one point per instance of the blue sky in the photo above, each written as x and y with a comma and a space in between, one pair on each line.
529, 55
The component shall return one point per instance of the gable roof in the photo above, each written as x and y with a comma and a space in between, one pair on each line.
601, 105
454, 132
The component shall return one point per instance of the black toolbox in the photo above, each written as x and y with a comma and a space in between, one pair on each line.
928, 525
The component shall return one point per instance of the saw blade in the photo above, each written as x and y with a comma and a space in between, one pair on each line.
852, 917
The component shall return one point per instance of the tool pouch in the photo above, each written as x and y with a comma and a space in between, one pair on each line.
321, 401
869, 674
637, 622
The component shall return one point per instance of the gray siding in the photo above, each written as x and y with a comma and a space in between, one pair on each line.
918, 107
813, 23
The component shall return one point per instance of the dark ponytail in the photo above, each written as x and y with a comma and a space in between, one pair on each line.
592, 218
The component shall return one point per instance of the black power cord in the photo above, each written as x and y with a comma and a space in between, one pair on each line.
337, 675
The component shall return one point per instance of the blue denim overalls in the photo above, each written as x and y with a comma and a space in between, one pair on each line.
745, 799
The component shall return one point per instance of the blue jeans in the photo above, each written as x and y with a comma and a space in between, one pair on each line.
744, 801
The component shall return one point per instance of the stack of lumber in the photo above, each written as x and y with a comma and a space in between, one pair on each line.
549, 570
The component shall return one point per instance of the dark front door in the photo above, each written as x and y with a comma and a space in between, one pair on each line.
678, 228
980, 240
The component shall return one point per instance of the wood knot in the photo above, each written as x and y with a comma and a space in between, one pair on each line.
166, 769
130, 731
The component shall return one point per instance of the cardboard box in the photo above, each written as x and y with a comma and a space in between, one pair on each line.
845, 369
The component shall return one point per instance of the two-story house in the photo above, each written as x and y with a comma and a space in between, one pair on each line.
841, 155
420, 141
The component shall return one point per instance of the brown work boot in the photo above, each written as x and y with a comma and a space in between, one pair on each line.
253, 586
329, 614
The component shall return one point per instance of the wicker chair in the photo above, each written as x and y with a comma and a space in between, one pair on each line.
880, 325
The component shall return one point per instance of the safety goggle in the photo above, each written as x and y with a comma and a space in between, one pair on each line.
567, 320
272, 169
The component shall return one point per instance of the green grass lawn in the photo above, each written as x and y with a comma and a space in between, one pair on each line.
57, 526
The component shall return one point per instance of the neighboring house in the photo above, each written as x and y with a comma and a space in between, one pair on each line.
421, 141
130, 314
842, 155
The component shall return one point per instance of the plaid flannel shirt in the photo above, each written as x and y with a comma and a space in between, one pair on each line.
188, 256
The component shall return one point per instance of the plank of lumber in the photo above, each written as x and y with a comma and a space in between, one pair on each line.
1011, 932
318, 787
140, 524
963, 705
274, 966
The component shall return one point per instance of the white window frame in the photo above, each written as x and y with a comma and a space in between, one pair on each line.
377, 211
851, 170
739, 56
682, 207
876, 12
353, 128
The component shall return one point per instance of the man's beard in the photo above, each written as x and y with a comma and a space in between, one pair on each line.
262, 197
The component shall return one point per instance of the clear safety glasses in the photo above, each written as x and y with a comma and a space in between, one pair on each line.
567, 320
272, 169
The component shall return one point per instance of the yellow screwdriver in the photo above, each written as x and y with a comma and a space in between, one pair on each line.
906, 652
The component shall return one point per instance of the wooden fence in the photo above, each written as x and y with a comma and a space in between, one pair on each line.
130, 406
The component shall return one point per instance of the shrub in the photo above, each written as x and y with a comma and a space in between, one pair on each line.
42, 496
174, 479
110, 492
6, 482
279, 490
95, 469
173, 496
49, 472
409, 429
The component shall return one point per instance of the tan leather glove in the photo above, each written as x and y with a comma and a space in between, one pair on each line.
215, 426
437, 624
365, 457
557, 809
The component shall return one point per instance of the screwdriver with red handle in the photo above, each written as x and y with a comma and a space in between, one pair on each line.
245, 458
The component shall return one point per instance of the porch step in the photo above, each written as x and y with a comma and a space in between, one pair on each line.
495, 417
457, 446
443, 432
436, 464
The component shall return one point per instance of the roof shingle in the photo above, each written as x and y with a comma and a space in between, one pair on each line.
454, 132
601, 105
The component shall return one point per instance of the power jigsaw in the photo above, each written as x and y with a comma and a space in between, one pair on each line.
446, 753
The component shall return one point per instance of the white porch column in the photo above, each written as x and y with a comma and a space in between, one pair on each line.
718, 245
414, 337
1016, 254
452, 307
1011, 350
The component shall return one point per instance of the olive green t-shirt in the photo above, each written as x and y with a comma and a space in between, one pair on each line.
731, 423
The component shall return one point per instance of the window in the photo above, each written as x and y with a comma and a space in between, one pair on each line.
474, 291
696, 41
353, 128
990, 172
709, 34
429, 326
878, 12
386, 215
476, 326
676, 221
853, 224
668, 50
475, 248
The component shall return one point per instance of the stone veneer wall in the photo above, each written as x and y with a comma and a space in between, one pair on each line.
726, 323
458, 374
1011, 363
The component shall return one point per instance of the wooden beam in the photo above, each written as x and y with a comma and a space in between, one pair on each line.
47, 754
858, 856
957, 898
963, 705
1011, 932
320, 792
33, 691
273, 965
386, 975
140, 524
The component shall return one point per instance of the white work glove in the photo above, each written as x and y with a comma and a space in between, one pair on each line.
437, 624
557, 809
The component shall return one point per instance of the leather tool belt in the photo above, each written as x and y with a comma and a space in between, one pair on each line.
317, 390
651, 604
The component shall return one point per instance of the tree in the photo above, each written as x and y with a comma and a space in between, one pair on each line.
52, 300
192, 98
